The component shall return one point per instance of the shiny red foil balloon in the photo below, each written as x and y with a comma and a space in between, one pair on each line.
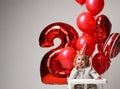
81, 2
94, 6
51, 70
111, 46
100, 63
102, 29
88, 42
86, 22
66, 57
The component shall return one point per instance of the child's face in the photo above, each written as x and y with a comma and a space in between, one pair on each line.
81, 61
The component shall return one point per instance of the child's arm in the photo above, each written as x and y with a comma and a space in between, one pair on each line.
94, 74
73, 73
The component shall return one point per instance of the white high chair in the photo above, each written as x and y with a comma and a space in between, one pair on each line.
99, 83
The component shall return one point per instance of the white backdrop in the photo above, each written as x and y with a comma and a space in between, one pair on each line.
21, 22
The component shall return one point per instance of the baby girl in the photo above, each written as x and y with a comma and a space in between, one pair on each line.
83, 70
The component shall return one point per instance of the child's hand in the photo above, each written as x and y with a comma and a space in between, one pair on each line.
98, 78
77, 67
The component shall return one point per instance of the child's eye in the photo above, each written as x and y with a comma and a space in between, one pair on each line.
78, 58
83, 59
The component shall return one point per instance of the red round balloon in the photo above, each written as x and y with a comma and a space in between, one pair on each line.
81, 2
87, 42
111, 46
86, 22
94, 6
66, 57
102, 29
100, 63
51, 70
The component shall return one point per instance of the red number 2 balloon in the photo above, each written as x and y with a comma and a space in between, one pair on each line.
50, 68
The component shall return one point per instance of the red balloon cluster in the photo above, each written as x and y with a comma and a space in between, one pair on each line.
107, 50
98, 27
58, 62
93, 6
86, 20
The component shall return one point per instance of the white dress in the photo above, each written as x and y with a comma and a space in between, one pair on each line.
84, 73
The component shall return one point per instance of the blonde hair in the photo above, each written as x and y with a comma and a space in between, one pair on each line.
84, 56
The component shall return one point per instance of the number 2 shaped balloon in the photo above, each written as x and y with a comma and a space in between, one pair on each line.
51, 70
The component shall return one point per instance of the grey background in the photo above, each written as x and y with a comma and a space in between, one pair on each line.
21, 22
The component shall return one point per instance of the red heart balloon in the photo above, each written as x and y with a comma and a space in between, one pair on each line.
102, 29
100, 63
